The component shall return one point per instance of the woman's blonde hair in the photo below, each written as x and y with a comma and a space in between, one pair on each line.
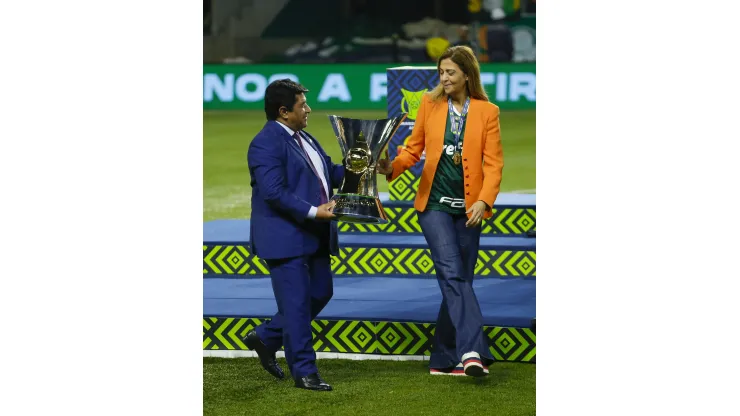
464, 57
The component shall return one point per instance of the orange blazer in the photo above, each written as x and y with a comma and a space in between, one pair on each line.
483, 158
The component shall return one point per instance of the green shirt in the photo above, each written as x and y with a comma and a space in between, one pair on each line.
448, 188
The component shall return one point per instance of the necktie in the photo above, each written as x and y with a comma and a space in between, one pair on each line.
313, 168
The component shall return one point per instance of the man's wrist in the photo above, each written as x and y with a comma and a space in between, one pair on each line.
312, 213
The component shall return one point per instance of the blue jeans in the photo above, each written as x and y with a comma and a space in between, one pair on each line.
454, 250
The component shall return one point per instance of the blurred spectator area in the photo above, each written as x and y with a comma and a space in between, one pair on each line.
207, 17
325, 31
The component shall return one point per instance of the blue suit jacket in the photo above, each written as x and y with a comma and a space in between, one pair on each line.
284, 187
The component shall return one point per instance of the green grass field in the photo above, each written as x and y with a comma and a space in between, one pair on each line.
226, 138
239, 386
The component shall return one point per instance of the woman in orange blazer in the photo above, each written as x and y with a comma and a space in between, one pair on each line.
459, 130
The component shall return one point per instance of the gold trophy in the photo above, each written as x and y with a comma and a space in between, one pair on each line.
362, 142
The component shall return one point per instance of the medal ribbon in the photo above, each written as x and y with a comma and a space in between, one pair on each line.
457, 128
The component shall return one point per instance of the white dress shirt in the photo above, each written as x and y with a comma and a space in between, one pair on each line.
315, 158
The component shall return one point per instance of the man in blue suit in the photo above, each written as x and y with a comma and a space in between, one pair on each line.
291, 229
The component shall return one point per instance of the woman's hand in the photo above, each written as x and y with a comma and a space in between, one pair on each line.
477, 210
384, 167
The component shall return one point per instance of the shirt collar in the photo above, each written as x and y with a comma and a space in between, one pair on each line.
288, 129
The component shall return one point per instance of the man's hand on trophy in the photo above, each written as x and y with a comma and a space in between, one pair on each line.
324, 212
384, 167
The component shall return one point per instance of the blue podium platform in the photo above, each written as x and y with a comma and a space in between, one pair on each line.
386, 297
503, 302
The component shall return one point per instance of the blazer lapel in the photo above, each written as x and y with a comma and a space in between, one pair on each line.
291, 142
472, 129
439, 122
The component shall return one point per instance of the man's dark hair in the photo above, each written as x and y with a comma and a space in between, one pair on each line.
281, 93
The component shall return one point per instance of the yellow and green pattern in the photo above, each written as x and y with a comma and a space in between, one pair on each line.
505, 221
404, 187
372, 337
232, 260
237, 261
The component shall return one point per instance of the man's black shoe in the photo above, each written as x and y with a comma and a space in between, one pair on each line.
312, 382
267, 358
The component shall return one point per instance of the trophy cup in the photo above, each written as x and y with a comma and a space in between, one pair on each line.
362, 142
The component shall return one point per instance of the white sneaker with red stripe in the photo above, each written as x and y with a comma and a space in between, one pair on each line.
472, 365
453, 371
458, 370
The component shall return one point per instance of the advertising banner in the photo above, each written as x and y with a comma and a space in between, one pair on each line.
349, 86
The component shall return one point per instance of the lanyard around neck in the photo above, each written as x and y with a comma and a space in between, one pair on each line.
457, 128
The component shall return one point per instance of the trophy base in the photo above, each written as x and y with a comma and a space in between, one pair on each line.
357, 208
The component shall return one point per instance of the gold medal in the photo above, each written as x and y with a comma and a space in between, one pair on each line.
456, 158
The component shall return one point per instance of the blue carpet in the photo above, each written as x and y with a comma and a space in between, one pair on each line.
503, 302
226, 232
